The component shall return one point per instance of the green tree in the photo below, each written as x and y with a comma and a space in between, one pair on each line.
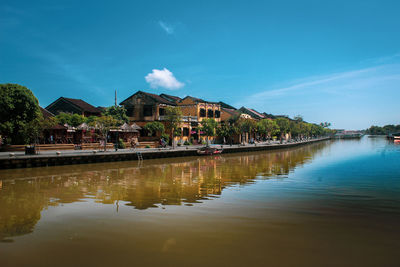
154, 127
267, 127
208, 127
284, 126
298, 118
173, 116
325, 124
70, 119
20, 114
225, 130
117, 112
246, 126
104, 124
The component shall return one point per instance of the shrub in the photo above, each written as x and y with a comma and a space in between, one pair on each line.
165, 137
147, 146
121, 144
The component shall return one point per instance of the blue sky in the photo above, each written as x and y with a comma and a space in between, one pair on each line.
336, 61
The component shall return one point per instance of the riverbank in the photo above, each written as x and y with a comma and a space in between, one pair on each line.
52, 158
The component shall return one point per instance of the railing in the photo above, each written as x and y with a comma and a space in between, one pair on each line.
184, 118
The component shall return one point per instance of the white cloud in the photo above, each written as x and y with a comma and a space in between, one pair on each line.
167, 28
163, 78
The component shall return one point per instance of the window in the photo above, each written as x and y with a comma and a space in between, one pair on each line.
130, 111
210, 113
202, 112
217, 114
162, 111
185, 131
147, 110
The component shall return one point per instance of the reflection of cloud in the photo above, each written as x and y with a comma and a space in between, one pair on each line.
163, 78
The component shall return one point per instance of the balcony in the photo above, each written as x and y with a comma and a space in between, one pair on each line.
184, 118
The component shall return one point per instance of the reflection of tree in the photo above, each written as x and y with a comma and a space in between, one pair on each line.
160, 182
20, 207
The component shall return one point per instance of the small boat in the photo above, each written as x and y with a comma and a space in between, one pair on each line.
394, 137
207, 150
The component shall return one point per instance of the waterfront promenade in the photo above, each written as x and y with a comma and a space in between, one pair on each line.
67, 157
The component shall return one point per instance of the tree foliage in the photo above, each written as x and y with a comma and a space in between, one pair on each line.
208, 127
154, 127
117, 112
70, 119
173, 116
385, 130
20, 114
267, 127
104, 124
284, 125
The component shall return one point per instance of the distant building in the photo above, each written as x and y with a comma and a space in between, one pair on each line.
75, 106
142, 107
251, 112
194, 110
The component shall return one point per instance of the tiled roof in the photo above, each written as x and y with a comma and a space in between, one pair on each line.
230, 111
46, 114
252, 113
155, 97
171, 97
225, 105
83, 105
199, 100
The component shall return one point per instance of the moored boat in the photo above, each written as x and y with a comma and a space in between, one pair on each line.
207, 150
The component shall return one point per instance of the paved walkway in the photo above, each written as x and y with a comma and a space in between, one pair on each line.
18, 154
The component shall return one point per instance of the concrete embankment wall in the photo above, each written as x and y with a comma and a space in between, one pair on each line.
83, 158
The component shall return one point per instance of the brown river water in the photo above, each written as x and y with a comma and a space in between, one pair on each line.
333, 203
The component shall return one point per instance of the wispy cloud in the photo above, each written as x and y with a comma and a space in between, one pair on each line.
163, 78
343, 83
166, 27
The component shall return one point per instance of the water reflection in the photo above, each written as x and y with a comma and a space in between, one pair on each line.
183, 181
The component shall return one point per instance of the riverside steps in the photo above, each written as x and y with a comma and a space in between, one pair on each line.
53, 158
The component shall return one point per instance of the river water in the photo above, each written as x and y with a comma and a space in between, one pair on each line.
333, 203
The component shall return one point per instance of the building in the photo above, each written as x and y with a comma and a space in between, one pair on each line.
74, 106
253, 113
142, 107
194, 110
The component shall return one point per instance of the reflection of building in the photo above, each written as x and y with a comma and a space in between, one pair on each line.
168, 182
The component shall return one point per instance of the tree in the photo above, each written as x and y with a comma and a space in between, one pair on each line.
246, 126
298, 118
154, 127
19, 114
267, 127
208, 127
283, 124
117, 112
104, 124
173, 115
325, 124
70, 119
225, 130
